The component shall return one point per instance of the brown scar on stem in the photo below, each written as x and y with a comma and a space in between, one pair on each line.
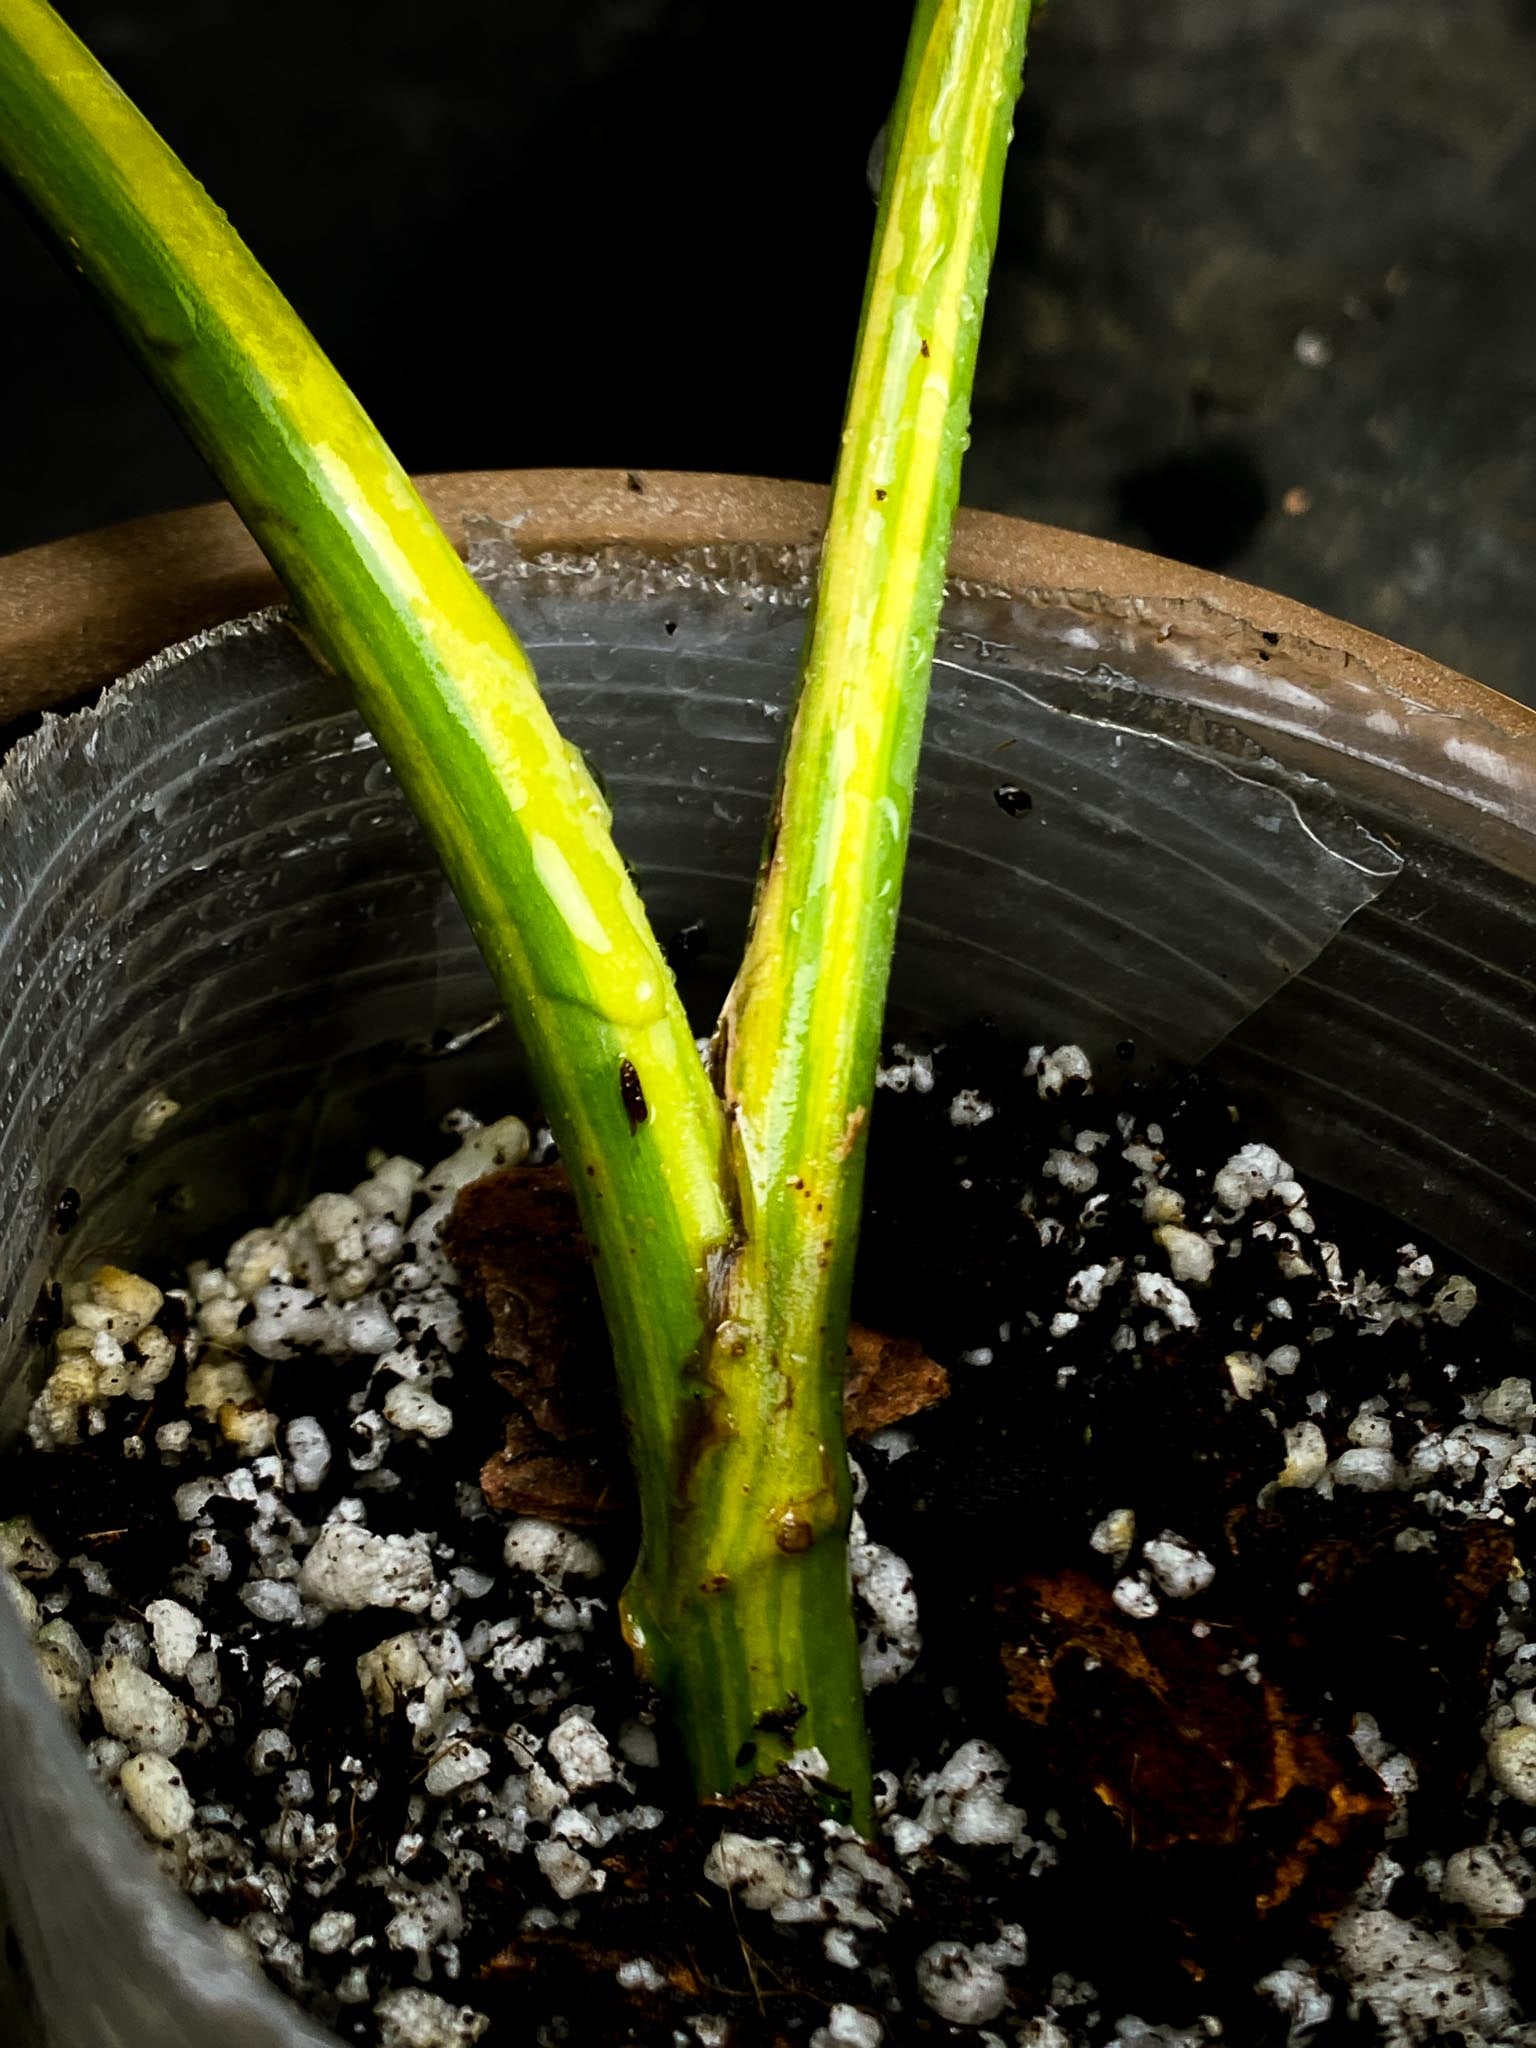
525, 1267
851, 1129
782, 1720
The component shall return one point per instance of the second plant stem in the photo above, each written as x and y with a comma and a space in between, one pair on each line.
751, 1621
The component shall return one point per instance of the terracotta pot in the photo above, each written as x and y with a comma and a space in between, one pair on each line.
1161, 813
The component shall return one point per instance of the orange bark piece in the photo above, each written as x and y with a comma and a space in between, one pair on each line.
1186, 1749
516, 1241
889, 1379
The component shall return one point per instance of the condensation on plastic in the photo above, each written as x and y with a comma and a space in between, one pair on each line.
1209, 886
209, 888
1224, 885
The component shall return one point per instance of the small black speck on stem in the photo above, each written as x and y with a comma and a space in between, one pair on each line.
632, 1095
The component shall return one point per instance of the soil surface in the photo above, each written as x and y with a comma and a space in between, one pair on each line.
1188, 1567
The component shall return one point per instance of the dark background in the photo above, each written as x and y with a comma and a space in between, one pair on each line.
1265, 297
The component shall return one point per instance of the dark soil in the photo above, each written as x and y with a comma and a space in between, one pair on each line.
1204, 1812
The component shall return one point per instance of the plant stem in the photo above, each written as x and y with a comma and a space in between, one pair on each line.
754, 1617
383, 598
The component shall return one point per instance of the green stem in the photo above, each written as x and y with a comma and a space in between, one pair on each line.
754, 1615
441, 680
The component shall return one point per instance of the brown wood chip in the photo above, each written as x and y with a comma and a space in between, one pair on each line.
525, 1267
889, 1379
1185, 1749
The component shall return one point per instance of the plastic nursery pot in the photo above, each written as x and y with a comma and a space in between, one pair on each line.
1156, 808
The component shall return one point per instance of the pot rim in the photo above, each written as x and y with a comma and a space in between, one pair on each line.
75, 613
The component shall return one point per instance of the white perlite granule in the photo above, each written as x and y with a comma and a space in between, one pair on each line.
1052, 1071
1157, 1291
1294, 1989
968, 1109
1191, 1258
1512, 1760
412, 1409
961, 1984
457, 1764
1492, 1888
349, 1568
309, 1452
568, 1871
416, 2019
761, 1873
849, 2027
137, 1709
1133, 1596
1179, 1569
550, 1552
333, 1932
1252, 1171
581, 1753
1420, 1985
885, 1600
177, 1633
1115, 1535
157, 1796
964, 1800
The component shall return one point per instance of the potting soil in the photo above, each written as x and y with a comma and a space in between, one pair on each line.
1202, 1677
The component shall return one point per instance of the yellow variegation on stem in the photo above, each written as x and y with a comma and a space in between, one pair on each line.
759, 1558
384, 599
